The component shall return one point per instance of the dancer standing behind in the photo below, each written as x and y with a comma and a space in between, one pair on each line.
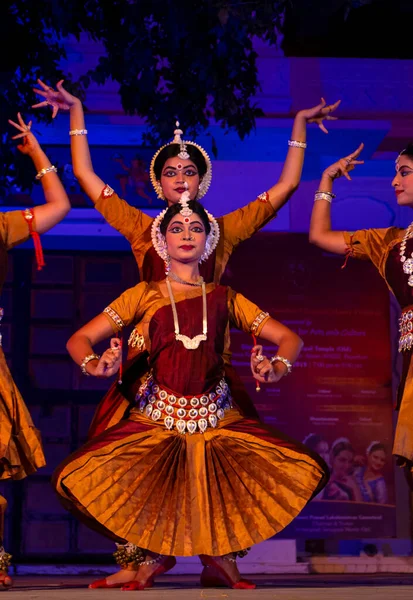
21, 450
185, 473
391, 251
169, 172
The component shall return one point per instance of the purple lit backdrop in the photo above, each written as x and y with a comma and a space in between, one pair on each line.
377, 108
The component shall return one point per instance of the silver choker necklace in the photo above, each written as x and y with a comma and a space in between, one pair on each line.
176, 278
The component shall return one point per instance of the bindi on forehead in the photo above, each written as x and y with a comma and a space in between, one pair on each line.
403, 166
179, 166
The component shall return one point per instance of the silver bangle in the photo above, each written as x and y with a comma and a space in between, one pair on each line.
285, 361
86, 360
78, 132
43, 172
328, 193
323, 196
296, 144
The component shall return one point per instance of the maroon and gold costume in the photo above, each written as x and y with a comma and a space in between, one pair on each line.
135, 225
236, 484
382, 248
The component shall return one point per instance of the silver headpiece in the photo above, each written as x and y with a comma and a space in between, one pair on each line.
159, 240
183, 155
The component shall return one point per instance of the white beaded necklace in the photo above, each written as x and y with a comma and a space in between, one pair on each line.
407, 262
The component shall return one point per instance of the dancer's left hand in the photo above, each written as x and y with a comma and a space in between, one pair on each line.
318, 114
261, 368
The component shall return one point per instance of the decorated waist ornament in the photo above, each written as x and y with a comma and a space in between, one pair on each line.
184, 413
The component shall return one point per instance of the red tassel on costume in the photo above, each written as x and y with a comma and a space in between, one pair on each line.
257, 383
121, 362
28, 214
349, 252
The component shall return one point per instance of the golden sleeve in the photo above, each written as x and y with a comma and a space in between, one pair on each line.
370, 244
128, 220
244, 314
14, 228
242, 223
128, 308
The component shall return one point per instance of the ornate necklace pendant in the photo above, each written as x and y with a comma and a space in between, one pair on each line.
191, 343
410, 281
408, 266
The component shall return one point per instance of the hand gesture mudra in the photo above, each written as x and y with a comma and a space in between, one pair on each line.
110, 360
261, 368
29, 142
321, 112
344, 165
58, 100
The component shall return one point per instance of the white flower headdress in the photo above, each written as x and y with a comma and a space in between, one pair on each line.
183, 154
159, 241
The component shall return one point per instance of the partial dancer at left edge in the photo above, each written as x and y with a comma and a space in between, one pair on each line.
185, 473
21, 450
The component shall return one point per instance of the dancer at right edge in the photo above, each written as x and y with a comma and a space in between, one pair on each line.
391, 252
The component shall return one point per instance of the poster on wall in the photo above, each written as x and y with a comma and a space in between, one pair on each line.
338, 399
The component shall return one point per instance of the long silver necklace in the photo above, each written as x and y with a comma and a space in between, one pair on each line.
407, 262
176, 278
189, 343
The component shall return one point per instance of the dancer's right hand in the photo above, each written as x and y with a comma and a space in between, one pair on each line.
110, 360
58, 100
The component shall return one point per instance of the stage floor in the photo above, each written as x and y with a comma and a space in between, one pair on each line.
280, 587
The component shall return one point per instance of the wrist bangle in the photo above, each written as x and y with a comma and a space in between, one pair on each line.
285, 362
46, 170
296, 144
324, 196
328, 193
86, 360
78, 132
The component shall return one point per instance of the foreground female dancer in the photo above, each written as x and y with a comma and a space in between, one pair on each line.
185, 473
21, 450
391, 252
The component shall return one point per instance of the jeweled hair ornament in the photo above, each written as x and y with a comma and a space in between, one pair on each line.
159, 241
399, 157
183, 155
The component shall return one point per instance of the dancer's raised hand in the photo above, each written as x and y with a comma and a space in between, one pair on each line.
58, 100
344, 165
29, 143
318, 114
